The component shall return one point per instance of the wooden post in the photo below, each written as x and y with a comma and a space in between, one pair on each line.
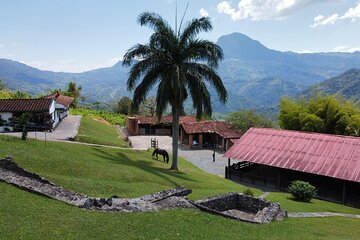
278, 179
344, 193
200, 140
190, 140
228, 176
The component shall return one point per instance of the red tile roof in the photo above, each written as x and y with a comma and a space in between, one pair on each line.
61, 99
164, 119
220, 127
322, 154
25, 105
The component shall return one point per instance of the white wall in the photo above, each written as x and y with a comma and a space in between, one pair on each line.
5, 116
52, 107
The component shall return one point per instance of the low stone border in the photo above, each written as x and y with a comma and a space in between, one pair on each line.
321, 214
13, 174
231, 205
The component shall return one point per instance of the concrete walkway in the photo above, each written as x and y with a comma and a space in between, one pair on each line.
202, 158
68, 128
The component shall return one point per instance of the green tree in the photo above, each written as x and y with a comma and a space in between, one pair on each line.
2, 85
148, 107
324, 114
123, 106
20, 95
245, 119
72, 91
23, 121
179, 64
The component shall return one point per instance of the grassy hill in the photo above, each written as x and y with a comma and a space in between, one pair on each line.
99, 171
98, 131
346, 85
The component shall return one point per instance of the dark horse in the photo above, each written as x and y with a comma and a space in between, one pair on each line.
161, 152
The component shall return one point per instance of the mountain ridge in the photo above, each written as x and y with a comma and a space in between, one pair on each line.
254, 75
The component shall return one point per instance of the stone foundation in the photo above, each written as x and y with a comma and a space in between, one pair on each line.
242, 207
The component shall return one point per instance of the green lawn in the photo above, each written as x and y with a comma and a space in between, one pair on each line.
93, 131
97, 171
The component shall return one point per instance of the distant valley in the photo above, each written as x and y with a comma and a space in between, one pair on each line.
255, 76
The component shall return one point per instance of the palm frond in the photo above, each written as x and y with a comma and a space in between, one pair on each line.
212, 77
138, 69
145, 86
154, 21
193, 28
136, 52
203, 50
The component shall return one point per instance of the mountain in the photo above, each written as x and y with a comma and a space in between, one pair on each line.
254, 75
346, 85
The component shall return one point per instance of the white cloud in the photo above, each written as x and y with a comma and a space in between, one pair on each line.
265, 9
203, 12
352, 14
321, 20
305, 51
344, 48
71, 65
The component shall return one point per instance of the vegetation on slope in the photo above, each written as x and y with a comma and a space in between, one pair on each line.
113, 118
346, 85
99, 131
128, 173
29, 216
327, 114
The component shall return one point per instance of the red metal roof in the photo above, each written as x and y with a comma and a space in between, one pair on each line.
164, 119
322, 154
61, 99
25, 105
220, 127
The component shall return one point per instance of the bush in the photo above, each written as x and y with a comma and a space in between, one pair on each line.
248, 192
302, 191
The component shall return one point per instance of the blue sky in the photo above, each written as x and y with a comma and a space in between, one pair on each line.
79, 35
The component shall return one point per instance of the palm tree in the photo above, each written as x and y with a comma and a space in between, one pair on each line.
179, 64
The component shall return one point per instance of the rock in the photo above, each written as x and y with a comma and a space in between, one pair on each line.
109, 202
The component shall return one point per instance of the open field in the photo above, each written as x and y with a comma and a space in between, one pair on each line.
98, 131
97, 171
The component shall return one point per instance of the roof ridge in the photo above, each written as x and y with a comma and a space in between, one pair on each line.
305, 133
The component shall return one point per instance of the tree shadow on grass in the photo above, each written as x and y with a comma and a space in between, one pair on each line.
144, 165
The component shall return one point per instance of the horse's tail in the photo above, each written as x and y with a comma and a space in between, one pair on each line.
167, 157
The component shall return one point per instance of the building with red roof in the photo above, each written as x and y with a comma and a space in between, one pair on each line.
274, 158
62, 104
147, 125
193, 133
208, 134
41, 111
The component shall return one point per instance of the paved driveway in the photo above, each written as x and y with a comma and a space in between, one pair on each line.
144, 142
201, 158
68, 128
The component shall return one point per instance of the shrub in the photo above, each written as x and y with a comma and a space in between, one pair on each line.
302, 191
248, 192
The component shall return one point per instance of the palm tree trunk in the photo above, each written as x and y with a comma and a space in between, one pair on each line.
175, 137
